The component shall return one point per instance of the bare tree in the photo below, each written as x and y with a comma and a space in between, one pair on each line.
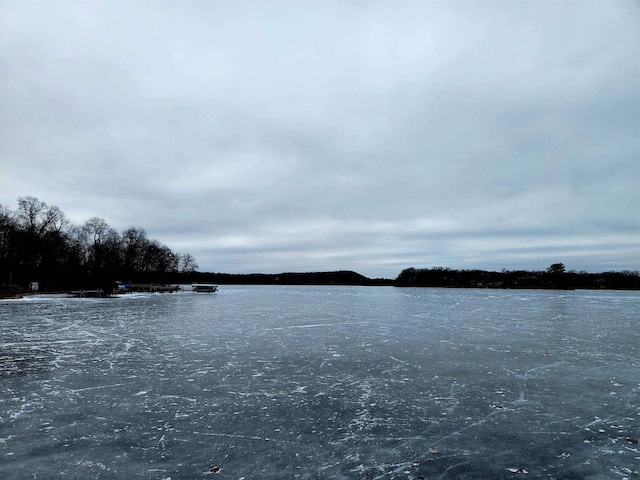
55, 221
187, 263
97, 228
79, 244
29, 212
134, 242
38, 218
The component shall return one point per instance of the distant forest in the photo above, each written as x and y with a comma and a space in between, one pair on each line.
554, 277
39, 243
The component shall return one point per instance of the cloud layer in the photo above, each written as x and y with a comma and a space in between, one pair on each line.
373, 136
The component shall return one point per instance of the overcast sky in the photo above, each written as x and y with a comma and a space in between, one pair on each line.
372, 136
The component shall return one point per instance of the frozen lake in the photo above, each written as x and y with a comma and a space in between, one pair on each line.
270, 382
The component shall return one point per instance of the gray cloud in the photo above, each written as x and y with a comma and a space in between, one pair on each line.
317, 135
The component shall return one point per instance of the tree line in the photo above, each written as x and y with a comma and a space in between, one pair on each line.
554, 277
39, 243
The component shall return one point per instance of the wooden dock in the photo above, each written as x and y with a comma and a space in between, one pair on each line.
154, 288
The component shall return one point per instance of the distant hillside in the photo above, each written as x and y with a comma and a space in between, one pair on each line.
288, 278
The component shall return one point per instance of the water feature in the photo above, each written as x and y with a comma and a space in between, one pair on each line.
272, 382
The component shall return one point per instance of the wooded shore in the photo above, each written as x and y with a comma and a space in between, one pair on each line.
411, 277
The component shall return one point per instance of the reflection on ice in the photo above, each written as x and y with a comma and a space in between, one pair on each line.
321, 382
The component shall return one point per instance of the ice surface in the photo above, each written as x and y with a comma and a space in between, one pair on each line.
322, 382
